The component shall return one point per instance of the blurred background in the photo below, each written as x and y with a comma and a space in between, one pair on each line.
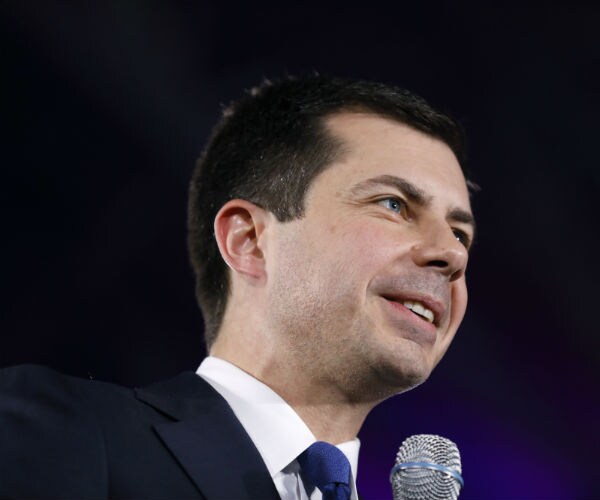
106, 106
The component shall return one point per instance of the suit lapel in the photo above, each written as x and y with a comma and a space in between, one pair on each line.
208, 441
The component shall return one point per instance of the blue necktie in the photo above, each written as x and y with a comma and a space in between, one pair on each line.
328, 469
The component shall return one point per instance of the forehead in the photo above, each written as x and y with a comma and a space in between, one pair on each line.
373, 146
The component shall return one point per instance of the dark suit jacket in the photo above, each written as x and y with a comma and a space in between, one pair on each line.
63, 437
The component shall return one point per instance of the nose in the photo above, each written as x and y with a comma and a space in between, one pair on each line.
439, 249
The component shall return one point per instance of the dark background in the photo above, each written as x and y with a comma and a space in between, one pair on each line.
106, 105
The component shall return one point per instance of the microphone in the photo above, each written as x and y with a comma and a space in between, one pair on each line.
427, 468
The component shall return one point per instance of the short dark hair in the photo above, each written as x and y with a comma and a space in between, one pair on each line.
267, 149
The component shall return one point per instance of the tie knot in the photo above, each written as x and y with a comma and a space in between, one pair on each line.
327, 468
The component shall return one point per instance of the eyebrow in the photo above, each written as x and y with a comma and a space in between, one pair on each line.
413, 193
460, 215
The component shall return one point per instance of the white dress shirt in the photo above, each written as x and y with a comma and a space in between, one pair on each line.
275, 428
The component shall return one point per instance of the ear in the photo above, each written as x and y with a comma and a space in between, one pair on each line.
238, 228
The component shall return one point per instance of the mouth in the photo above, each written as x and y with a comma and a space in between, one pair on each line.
425, 308
420, 310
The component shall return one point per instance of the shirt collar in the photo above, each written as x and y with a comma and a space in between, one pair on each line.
266, 417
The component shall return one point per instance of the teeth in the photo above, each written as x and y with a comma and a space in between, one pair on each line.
419, 309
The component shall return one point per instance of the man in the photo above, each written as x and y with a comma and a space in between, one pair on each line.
329, 229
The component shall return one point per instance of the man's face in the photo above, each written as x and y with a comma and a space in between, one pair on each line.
367, 289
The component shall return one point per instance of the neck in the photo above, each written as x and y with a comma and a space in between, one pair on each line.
331, 421
331, 411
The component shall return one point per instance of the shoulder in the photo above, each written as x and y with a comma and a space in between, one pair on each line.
38, 395
42, 391
50, 432
37, 376
69, 437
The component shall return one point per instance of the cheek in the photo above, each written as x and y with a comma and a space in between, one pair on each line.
459, 300
362, 245
459, 306
335, 260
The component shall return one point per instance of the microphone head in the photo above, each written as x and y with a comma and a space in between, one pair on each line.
427, 468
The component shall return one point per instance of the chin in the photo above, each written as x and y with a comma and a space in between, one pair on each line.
401, 375
390, 380
410, 379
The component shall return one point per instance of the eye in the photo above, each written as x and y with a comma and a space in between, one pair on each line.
462, 237
393, 204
